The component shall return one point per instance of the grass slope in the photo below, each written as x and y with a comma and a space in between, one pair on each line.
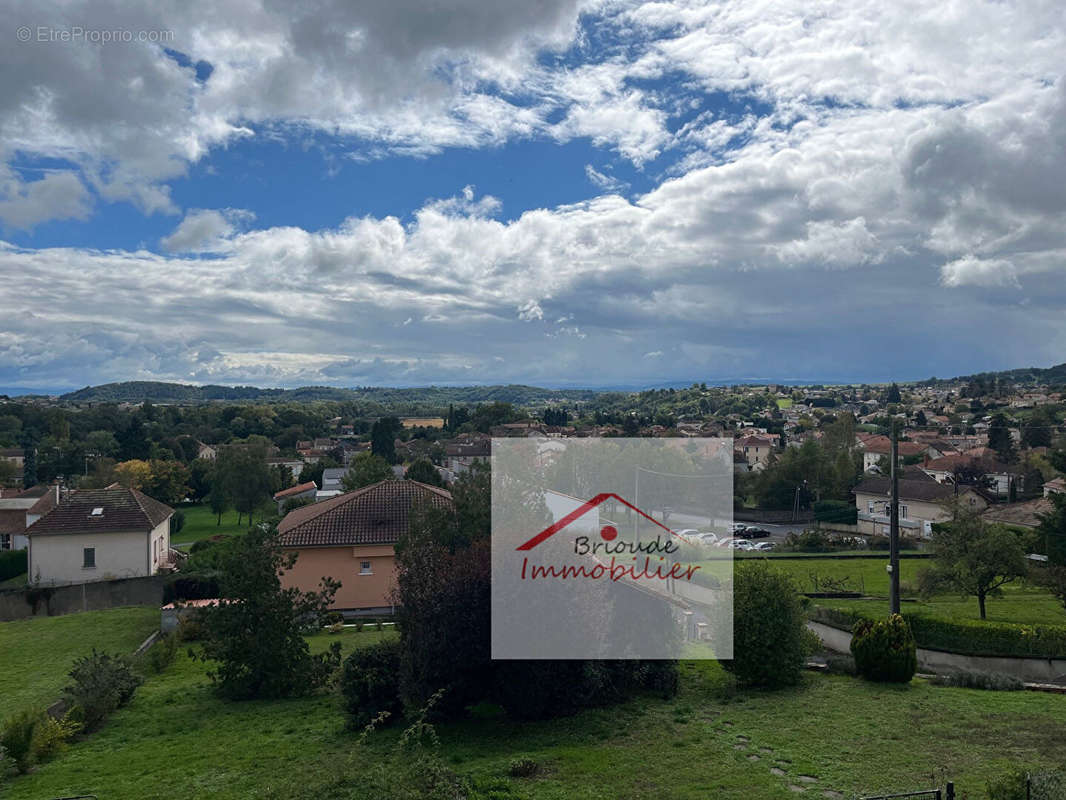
36, 654
178, 739
200, 523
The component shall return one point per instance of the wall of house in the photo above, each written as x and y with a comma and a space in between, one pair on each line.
58, 558
358, 591
159, 545
912, 513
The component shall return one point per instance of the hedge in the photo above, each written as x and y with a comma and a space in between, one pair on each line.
973, 638
12, 563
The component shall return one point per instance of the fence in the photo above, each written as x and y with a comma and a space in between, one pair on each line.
54, 601
771, 517
947, 793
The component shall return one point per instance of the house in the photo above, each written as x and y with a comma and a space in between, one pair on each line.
332, 479
1027, 513
461, 454
15, 456
876, 447
301, 490
922, 501
755, 449
100, 534
351, 538
999, 476
20, 509
1057, 486
206, 451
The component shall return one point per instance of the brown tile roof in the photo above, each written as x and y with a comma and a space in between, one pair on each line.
12, 520
981, 461
297, 489
375, 514
1026, 513
123, 510
909, 489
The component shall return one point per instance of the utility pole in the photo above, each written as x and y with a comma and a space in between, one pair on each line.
893, 524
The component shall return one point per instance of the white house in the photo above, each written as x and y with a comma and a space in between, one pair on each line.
100, 534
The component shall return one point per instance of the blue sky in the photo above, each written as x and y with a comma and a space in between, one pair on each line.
607, 193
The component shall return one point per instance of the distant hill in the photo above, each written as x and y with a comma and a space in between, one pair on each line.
434, 396
1054, 376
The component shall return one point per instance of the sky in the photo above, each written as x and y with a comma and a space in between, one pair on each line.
548, 192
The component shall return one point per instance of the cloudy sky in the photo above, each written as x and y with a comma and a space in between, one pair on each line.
538, 191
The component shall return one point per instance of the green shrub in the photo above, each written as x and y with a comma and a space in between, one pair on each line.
51, 735
524, 767
994, 681
190, 628
370, 682
12, 563
969, 637
102, 684
884, 650
1020, 784
16, 738
768, 625
161, 654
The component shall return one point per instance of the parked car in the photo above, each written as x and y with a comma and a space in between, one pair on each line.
709, 538
741, 544
756, 533
765, 547
738, 527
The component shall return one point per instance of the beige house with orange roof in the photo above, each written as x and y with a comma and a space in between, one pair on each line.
351, 538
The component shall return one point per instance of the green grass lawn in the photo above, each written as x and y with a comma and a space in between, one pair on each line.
200, 523
784, 402
177, 739
14, 583
36, 654
1021, 601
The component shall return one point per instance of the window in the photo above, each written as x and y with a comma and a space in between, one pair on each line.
88, 556
902, 512
98, 511
5, 541
364, 568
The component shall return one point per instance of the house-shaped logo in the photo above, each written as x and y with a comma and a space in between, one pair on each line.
607, 532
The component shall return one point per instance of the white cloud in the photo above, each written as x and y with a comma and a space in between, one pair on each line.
206, 230
57, 195
970, 271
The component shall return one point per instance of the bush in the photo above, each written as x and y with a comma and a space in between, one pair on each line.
12, 563
191, 586
1019, 784
102, 684
51, 735
523, 767
884, 650
768, 627
16, 738
177, 522
370, 682
969, 637
161, 654
190, 628
994, 681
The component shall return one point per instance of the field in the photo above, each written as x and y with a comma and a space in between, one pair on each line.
784, 402
1021, 602
833, 734
200, 523
36, 654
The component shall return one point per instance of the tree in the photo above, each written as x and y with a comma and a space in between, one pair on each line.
218, 498
243, 469
768, 625
999, 438
7, 472
366, 468
423, 471
313, 471
1052, 534
973, 557
256, 633
200, 478
1037, 431
133, 474
383, 438
167, 481
893, 395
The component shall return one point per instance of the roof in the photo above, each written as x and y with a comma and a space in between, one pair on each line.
1026, 513
375, 514
979, 460
12, 520
123, 510
909, 489
299, 488
1057, 485
883, 445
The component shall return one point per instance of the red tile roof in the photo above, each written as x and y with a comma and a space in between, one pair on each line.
123, 510
300, 488
375, 514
